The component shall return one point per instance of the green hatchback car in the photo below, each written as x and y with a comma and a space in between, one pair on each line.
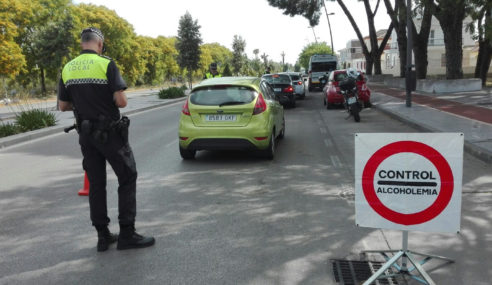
231, 113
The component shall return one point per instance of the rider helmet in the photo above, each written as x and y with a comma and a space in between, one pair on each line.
352, 72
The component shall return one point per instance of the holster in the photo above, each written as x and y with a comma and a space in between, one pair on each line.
122, 126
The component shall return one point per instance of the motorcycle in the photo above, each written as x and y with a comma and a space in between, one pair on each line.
348, 88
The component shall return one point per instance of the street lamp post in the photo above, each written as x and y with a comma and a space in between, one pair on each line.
329, 26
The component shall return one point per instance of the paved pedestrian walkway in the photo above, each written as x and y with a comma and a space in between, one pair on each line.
466, 112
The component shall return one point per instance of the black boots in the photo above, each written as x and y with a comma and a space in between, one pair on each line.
104, 238
130, 239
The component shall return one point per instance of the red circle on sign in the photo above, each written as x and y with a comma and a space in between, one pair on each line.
442, 166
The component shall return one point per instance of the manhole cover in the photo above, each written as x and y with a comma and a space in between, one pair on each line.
352, 272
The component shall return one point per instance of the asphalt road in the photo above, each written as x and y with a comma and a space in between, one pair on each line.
223, 218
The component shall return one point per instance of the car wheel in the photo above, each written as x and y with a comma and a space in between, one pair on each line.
186, 153
282, 132
270, 151
310, 89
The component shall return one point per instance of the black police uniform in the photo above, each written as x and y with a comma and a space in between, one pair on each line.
89, 82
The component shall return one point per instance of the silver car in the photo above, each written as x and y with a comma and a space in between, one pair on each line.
298, 84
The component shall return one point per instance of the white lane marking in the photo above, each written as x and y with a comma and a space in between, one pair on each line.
173, 143
335, 161
328, 143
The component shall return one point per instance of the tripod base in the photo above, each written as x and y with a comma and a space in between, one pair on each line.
392, 261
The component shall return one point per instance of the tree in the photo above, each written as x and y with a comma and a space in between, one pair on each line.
311, 49
227, 70
373, 57
188, 44
238, 47
311, 9
13, 14
451, 14
420, 38
119, 38
51, 46
481, 13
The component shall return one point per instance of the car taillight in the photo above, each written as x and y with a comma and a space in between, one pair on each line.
299, 83
289, 89
260, 105
185, 109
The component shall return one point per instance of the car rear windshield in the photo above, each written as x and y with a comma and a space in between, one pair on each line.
295, 77
217, 95
340, 76
277, 79
323, 66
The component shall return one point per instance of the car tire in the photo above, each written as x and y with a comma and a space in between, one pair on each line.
329, 105
310, 89
186, 153
269, 153
281, 135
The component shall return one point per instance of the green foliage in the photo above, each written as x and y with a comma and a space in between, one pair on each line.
238, 46
311, 49
35, 119
309, 9
172, 92
184, 87
188, 44
227, 70
8, 129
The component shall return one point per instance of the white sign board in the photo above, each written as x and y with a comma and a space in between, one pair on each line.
409, 181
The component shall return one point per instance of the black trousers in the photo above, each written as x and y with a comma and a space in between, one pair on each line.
120, 157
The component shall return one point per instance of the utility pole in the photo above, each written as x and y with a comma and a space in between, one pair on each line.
329, 26
283, 58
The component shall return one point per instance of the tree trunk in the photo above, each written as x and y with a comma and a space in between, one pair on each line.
486, 59
478, 65
450, 14
454, 50
369, 64
43, 83
399, 20
421, 42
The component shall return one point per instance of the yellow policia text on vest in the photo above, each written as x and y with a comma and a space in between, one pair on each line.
86, 68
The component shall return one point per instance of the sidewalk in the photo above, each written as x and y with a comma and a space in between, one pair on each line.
467, 112
138, 101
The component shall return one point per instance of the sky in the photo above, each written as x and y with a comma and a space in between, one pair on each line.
262, 27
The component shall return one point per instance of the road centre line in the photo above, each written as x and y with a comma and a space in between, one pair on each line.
335, 160
328, 143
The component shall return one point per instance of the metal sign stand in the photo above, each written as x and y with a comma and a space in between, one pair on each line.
405, 255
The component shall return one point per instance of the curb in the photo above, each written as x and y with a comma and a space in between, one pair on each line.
471, 148
36, 134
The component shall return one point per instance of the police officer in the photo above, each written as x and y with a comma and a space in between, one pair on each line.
213, 71
92, 86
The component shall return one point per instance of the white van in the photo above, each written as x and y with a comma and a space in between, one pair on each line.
319, 66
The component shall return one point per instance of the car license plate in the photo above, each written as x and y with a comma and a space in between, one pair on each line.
315, 81
221, 118
351, 100
277, 89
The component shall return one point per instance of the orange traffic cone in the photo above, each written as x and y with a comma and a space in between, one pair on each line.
85, 191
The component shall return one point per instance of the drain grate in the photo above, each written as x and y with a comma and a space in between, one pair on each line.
352, 272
